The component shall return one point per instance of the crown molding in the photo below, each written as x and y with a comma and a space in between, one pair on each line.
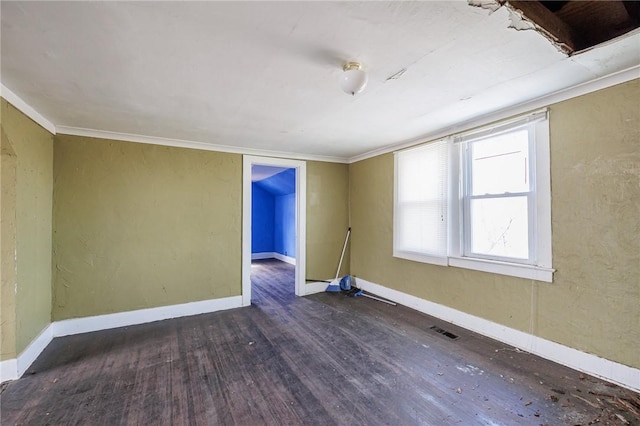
559, 96
179, 143
543, 101
27, 109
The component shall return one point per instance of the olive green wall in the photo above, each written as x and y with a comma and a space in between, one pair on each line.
27, 160
327, 218
7, 248
140, 226
594, 302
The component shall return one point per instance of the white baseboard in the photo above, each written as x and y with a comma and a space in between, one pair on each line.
8, 370
273, 255
594, 365
142, 316
315, 287
286, 259
263, 255
12, 369
35, 348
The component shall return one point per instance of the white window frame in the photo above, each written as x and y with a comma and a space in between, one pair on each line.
467, 197
539, 265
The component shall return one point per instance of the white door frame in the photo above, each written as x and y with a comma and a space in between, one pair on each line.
301, 220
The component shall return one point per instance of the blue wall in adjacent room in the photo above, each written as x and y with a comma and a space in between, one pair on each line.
284, 229
262, 220
273, 214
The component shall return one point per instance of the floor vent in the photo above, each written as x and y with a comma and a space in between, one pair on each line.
443, 332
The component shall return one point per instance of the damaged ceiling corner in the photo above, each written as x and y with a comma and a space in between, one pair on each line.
571, 26
532, 15
490, 5
519, 21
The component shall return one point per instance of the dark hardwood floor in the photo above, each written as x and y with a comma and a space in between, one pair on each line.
323, 359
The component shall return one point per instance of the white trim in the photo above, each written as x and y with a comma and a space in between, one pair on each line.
8, 370
263, 255
501, 127
273, 255
544, 101
594, 365
419, 257
156, 140
287, 259
543, 228
13, 369
142, 316
520, 270
35, 348
27, 109
315, 287
301, 220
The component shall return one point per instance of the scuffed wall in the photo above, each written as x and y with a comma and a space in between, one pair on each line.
27, 161
595, 171
327, 218
140, 226
594, 302
7, 249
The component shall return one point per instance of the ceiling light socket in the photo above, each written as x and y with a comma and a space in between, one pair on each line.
352, 66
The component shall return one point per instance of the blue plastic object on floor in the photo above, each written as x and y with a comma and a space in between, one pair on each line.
345, 283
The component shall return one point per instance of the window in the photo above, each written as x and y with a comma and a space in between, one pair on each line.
478, 200
420, 231
497, 195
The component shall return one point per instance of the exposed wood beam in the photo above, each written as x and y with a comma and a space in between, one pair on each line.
548, 23
633, 9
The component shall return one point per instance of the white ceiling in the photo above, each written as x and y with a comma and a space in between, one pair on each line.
260, 172
264, 75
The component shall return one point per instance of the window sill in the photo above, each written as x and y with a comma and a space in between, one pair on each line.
419, 257
504, 268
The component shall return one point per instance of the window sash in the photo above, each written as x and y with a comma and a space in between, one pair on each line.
467, 192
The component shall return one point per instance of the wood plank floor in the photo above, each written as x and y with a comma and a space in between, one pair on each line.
318, 360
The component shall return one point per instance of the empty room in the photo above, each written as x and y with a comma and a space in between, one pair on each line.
310, 212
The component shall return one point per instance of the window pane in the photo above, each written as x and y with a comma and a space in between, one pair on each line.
499, 227
499, 164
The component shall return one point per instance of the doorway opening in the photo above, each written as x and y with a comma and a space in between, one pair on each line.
274, 219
